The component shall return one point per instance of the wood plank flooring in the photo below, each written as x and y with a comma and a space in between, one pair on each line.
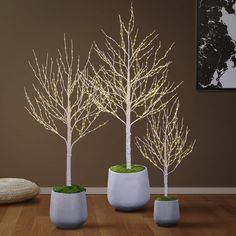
201, 215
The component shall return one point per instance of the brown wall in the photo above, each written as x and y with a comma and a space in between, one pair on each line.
29, 151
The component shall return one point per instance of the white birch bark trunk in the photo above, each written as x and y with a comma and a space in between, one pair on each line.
69, 141
128, 140
128, 113
68, 164
166, 181
165, 163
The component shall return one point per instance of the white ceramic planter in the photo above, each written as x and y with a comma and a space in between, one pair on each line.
166, 213
68, 210
128, 191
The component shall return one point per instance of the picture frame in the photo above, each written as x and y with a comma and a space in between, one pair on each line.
216, 45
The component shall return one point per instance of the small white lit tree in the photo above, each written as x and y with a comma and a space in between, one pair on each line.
133, 78
165, 144
63, 100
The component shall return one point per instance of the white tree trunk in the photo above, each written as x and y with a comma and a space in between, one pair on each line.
128, 113
68, 151
128, 140
68, 164
165, 164
68, 143
166, 181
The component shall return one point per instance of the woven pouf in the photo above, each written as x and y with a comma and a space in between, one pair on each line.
17, 190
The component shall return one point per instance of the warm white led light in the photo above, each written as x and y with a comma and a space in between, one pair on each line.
62, 95
165, 144
132, 83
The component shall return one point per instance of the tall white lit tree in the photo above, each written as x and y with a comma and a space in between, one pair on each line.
132, 81
63, 100
166, 142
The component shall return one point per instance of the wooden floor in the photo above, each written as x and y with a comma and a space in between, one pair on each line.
201, 215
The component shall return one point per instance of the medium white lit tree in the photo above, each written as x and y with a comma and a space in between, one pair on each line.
62, 100
133, 78
166, 142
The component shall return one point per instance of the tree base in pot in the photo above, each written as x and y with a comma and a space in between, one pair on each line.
166, 213
128, 191
68, 210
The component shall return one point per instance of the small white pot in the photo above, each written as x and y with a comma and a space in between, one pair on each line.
68, 210
128, 191
166, 213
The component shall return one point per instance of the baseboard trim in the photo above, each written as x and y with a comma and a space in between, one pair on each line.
158, 190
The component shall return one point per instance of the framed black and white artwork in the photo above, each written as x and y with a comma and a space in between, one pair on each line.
216, 44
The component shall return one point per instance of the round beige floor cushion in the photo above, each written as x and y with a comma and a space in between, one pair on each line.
17, 190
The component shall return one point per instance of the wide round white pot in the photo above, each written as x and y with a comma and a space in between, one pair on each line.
128, 191
166, 213
68, 210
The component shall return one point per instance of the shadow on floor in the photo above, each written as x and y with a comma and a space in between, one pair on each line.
89, 226
29, 202
199, 224
146, 209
